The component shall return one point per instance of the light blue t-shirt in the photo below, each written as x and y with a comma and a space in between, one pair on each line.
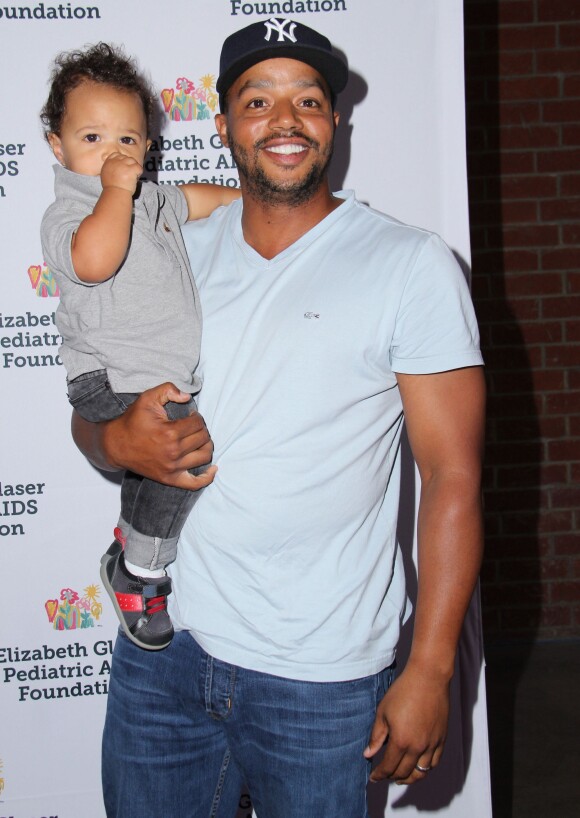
288, 563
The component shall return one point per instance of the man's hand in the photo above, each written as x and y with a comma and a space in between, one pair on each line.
412, 719
144, 440
122, 171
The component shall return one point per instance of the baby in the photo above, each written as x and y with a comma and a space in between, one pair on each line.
129, 311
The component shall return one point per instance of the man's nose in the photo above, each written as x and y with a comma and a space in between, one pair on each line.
285, 116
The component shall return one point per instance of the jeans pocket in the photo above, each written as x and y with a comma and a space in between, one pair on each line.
92, 397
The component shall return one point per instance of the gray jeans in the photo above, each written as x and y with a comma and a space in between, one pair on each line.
152, 514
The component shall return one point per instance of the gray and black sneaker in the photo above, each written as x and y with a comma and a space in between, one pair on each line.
140, 602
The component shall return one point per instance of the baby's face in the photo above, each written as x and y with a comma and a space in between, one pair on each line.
98, 121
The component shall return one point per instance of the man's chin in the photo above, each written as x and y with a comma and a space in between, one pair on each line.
280, 191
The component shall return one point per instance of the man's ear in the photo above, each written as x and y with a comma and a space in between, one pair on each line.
56, 147
336, 116
222, 129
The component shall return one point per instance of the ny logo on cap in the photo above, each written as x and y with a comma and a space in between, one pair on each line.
279, 25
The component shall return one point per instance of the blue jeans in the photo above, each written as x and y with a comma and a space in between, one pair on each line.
185, 732
152, 514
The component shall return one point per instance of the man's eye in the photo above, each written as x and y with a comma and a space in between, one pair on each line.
257, 103
310, 103
92, 137
127, 140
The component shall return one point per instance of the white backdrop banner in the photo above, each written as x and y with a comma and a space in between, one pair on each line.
400, 146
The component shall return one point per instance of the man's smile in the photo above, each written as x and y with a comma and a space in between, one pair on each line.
286, 149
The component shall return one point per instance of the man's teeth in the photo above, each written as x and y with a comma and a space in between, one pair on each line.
286, 149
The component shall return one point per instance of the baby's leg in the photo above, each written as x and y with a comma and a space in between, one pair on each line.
152, 516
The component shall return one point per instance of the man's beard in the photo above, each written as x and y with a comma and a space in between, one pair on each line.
275, 191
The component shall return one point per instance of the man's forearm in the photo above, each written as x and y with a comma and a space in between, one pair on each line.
413, 715
450, 546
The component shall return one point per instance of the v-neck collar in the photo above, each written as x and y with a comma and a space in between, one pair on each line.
255, 259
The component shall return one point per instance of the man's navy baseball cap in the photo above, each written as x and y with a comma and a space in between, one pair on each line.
279, 37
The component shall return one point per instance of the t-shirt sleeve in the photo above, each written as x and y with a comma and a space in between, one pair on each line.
56, 232
436, 328
177, 201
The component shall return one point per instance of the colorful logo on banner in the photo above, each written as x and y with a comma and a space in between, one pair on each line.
2, 782
188, 101
43, 281
70, 611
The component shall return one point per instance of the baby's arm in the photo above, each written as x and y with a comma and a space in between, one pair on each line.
203, 199
100, 243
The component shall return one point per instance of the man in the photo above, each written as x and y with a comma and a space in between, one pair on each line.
323, 322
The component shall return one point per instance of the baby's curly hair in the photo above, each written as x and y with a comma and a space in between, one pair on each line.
100, 63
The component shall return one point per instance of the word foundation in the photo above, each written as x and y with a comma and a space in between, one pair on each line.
287, 7
42, 12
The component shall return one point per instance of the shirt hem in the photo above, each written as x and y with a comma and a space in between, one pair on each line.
435, 364
335, 672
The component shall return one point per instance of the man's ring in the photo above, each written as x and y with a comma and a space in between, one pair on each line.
422, 769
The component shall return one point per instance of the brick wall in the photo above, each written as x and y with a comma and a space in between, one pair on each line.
523, 121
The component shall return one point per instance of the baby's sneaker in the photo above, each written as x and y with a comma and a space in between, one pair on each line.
140, 602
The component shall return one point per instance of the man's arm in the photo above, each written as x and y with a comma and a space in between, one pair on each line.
444, 415
203, 199
145, 441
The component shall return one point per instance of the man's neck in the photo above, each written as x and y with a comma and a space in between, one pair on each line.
271, 228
